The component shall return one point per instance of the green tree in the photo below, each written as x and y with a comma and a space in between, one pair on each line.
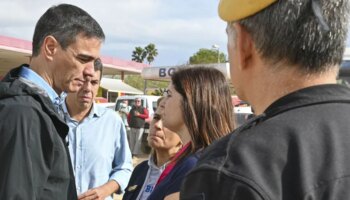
159, 92
139, 54
207, 56
135, 81
151, 52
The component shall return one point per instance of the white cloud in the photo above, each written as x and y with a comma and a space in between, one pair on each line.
178, 28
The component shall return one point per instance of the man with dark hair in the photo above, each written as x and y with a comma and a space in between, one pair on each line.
284, 59
34, 157
98, 143
137, 119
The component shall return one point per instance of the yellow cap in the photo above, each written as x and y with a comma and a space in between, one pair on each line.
233, 10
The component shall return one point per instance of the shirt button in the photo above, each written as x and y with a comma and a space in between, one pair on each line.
78, 166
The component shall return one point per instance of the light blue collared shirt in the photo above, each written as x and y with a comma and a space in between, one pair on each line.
32, 76
99, 149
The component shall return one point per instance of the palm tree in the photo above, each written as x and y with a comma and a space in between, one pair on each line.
139, 54
151, 52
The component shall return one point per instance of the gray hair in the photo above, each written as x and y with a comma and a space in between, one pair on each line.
290, 31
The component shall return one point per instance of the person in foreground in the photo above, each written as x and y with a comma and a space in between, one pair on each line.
198, 108
284, 59
98, 144
34, 158
165, 144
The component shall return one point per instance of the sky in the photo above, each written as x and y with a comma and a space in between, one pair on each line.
178, 28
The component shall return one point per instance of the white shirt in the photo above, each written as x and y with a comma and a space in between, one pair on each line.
152, 177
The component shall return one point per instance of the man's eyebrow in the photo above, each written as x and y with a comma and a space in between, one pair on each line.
86, 57
157, 116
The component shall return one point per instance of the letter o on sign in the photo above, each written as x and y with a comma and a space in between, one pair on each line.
171, 71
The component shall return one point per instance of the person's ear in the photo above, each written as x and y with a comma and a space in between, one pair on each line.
49, 47
244, 46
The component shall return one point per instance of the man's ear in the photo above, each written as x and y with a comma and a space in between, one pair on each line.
49, 47
244, 47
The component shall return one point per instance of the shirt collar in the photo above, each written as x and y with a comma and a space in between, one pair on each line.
153, 165
96, 111
311, 95
32, 76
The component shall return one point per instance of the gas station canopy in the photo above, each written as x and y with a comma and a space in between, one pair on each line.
14, 52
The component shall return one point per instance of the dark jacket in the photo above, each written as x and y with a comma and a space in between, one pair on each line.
298, 149
172, 182
137, 121
34, 158
136, 181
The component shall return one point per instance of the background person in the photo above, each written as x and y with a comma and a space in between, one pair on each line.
165, 144
198, 108
124, 111
137, 116
34, 158
284, 59
98, 144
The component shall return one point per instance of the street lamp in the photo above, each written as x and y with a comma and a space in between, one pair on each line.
217, 47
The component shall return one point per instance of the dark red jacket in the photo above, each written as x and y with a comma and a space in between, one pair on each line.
137, 121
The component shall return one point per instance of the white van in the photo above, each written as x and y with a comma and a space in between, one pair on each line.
107, 105
147, 101
242, 114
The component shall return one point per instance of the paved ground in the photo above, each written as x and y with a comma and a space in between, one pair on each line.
135, 161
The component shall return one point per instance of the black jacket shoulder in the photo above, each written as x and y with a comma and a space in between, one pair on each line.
297, 149
136, 181
33, 154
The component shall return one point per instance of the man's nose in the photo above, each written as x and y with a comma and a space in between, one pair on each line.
158, 124
87, 86
89, 69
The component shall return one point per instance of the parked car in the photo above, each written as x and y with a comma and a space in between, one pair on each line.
107, 105
242, 114
147, 101
344, 72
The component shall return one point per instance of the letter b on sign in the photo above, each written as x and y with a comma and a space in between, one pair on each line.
162, 72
